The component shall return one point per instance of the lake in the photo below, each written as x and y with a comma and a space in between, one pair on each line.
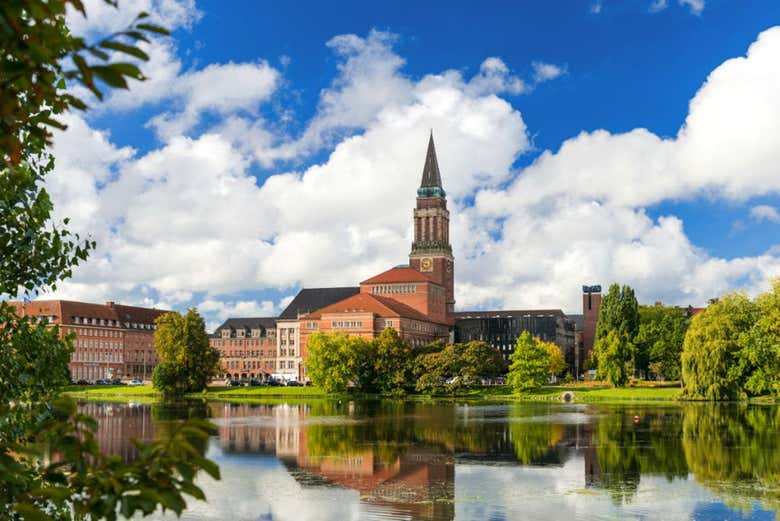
411, 460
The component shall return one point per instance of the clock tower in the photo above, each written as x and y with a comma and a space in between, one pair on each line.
431, 251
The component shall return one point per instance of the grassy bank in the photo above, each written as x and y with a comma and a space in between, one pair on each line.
582, 393
215, 392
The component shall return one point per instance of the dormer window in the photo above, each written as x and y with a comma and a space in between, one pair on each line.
225, 333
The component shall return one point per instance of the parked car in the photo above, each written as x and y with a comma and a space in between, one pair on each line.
136, 382
100, 382
294, 383
117, 381
256, 383
308, 383
236, 383
82, 382
274, 383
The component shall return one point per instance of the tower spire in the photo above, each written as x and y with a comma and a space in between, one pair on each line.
430, 186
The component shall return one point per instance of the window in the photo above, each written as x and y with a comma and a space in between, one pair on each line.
346, 324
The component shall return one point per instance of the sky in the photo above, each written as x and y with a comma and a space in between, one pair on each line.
279, 145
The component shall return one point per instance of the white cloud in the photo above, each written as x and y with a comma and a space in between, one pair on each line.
764, 212
221, 89
658, 6
696, 6
547, 71
103, 18
188, 217
494, 77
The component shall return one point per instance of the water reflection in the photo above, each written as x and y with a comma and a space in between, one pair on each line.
439, 461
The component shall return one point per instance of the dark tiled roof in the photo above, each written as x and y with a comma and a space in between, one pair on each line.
312, 299
248, 323
508, 313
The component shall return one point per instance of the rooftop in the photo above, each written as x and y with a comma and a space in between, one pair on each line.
312, 299
398, 274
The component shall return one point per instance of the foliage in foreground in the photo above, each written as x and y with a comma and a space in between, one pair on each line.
50, 465
187, 362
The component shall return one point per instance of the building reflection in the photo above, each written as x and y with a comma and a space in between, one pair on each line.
401, 457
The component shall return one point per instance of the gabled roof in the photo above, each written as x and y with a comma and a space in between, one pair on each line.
66, 310
312, 299
430, 186
368, 303
399, 274
248, 323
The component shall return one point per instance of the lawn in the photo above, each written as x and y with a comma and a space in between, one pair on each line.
215, 392
582, 393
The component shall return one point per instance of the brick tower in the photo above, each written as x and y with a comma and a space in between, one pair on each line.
431, 251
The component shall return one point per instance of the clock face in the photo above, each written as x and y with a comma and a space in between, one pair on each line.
426, 264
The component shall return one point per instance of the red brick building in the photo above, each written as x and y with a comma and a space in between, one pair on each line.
247, 347
417, 299
112, 341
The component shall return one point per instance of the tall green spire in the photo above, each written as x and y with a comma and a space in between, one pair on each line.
431, 177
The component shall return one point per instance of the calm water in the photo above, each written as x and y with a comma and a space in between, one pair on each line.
390, 460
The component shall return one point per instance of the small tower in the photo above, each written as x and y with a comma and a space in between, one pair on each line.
431, 250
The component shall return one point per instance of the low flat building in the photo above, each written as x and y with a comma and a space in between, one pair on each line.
500, 329
112, 341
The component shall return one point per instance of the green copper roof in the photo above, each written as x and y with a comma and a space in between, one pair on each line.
431, 177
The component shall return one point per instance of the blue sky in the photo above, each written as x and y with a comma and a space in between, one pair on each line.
288, 100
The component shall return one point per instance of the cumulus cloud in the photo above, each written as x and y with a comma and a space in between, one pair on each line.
658, 6
221, 89
189, 217
764, 212
547, 71
696, 6
103, 18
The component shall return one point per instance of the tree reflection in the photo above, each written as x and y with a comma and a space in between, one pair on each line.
533, 436
627, 449
735, 452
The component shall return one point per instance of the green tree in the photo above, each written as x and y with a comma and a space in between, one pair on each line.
760, 352
557, 362
479, 361
660, 339
337, 361
712, 365
50, 464
457, 366
619, 316
529, 365
613, 353
392, 362
187, 362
